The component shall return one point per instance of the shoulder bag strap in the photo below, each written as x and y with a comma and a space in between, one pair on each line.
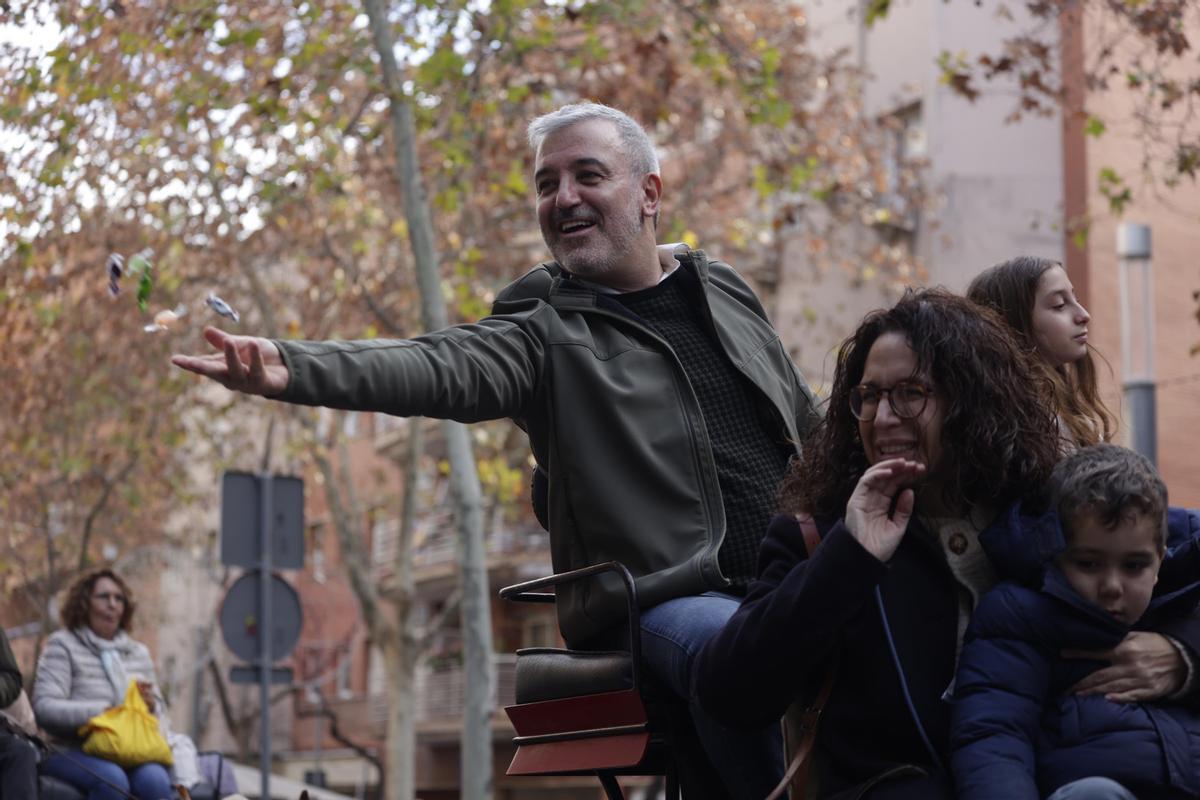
795, 777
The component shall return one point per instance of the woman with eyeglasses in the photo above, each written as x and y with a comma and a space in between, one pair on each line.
935, 424
84, 670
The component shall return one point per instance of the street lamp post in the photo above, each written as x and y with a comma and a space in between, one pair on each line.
1137, 335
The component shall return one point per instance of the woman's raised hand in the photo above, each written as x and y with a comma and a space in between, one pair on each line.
881, 505
247, 364
146, 689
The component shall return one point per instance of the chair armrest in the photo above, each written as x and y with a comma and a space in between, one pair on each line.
525, 593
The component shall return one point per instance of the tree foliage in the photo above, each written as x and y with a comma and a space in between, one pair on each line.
1139, 47
89, 447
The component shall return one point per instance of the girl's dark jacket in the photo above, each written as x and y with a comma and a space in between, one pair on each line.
885, 731
1018, 731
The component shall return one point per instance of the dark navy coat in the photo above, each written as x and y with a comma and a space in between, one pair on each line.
892, 629
1017, 730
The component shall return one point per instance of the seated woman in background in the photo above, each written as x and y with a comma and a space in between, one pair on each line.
1035, 297
935, 423
84, 670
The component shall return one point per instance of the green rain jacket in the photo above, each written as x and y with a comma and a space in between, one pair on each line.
610, 414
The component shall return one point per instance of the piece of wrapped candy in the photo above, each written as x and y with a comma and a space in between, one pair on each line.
115, 267
221, 307
166, 319
140, 265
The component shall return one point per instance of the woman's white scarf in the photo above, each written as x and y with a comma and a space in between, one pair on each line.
113, 653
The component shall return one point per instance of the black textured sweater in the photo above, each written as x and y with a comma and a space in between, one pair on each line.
749, 454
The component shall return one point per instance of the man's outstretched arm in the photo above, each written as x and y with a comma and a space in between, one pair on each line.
471, 372
247, 364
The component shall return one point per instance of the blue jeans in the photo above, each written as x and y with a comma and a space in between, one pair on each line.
749, 762
1092, 789
100, 779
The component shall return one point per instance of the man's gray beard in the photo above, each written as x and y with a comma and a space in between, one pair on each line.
587, 268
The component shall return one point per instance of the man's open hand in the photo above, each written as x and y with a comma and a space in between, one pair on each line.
247, 364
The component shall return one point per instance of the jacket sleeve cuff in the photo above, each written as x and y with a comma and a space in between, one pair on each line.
846, 565
1189, 664
1184, 634
284, 354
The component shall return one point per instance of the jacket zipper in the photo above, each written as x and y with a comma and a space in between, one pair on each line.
703, 454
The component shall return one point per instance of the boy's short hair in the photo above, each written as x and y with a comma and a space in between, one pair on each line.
1111, 482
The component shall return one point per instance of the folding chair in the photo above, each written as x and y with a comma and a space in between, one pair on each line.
583, 712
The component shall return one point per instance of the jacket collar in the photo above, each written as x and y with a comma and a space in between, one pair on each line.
1020, 545
567, 291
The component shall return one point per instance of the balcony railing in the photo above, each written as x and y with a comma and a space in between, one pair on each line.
498, 542
440, 548
439, 694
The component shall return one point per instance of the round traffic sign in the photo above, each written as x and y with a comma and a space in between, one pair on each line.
241, 617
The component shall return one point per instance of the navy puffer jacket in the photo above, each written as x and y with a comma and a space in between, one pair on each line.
1017, 730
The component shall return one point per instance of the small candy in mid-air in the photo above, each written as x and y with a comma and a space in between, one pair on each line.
166, 319
140, 265
114, 265
221, 307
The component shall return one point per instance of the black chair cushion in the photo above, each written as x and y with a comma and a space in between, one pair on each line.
53, 789
203, 791
550, 673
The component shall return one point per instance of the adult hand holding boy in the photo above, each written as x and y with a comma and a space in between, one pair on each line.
1144, 666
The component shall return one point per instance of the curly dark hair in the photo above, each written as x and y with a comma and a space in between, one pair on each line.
1011, 289
74, 612
999, 437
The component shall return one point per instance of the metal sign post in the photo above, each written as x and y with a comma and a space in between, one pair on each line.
264, 638
262, 524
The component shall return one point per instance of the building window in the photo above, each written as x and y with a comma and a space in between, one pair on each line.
376, 672
341, 683
324, 422
384, 533
907, 147
540, 631
316, 549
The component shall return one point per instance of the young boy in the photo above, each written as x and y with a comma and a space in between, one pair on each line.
1096, 566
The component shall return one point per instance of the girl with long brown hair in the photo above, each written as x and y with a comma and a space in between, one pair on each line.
1035, 297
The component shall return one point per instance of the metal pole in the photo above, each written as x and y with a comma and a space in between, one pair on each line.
264, 636
320, 736
1137, 336
1143, 419
201, 653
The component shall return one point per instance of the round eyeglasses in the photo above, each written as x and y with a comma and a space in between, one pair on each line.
907, 399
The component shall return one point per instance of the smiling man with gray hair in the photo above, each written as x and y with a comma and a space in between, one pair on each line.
660, 405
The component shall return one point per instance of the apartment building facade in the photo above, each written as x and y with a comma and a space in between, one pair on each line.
1001, 188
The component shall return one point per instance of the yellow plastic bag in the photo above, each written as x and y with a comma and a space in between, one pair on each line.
127, 734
